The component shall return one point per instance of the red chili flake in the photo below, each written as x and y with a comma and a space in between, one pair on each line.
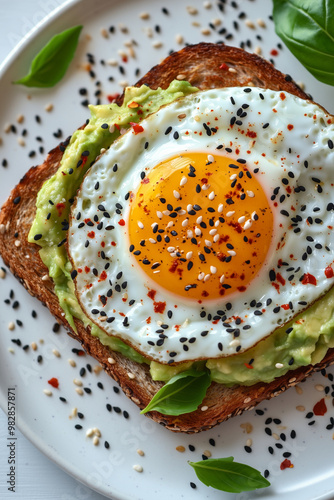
309, 279
247, 365
251, 134
103, 276
280, 279
146, 180
290, 127
274, 52
112, 97
121, 222
329, 272
125, 59
159, 307
148, 320
286, 464
136, 128
223, 66
83, 160
113, 243
285, 307
60, 207
54, 382
151, 294
91, 234
173, 267
241, 288
103, 244
87, 269
320, 407
282, 96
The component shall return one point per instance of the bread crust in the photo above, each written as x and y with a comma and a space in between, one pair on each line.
205, 66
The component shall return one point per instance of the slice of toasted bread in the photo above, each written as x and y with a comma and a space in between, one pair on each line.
205, 66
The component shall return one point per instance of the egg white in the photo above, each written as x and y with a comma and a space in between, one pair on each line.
294, 135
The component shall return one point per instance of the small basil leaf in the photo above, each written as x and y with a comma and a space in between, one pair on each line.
181, 394
51, 63
307, 29
225, 475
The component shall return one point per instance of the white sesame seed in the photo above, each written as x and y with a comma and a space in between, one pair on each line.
199, 219
166, 212
96, 441
111, 361
144, 15
189, 207
213, 269
232, 253
155, 224
77, 382
185, 223
207, 5
159, 214
211, 195
89, 433
56, 353
250, 194
261, 23
170, 224
253, 215
2, 274
182, 212
152, 240
208, 243
79, 391
47, 392
2, 228
212, 232
248, 224
206, 278
207, 453
233, 176
71, 362
183, 181
222, 278
11, 325
204, 408
157, 44
181, 76
242, 219
220, 208
170, 249
216, 238
247, 400
300, 408
112, 129
319, 387
232, 70
140, 452
189, 255
206, 31
216, 22
179, 39
176, 194
229, 214
49, 107
234, 343
249, 442
173, 254
205, 187
211, 158
200, 276
279, 365
257, 50
217, 223
192, 10
190, 234
137, 468
198, 232
131, 376
249, 24
140, 225
21, 141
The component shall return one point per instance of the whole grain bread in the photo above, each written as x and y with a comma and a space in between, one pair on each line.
204, 66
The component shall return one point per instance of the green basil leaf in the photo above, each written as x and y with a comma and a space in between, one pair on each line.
181, 394
307, 29
51, 63
226, 475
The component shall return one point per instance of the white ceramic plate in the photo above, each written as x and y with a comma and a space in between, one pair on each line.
45, 420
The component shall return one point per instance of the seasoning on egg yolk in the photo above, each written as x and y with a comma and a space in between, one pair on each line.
200, 226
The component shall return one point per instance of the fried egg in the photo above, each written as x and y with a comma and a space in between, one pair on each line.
208, 225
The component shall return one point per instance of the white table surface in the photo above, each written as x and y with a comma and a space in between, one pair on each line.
37, 477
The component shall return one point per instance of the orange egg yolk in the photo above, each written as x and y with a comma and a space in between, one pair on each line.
200, 226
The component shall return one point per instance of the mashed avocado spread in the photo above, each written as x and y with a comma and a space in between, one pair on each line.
312, 333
